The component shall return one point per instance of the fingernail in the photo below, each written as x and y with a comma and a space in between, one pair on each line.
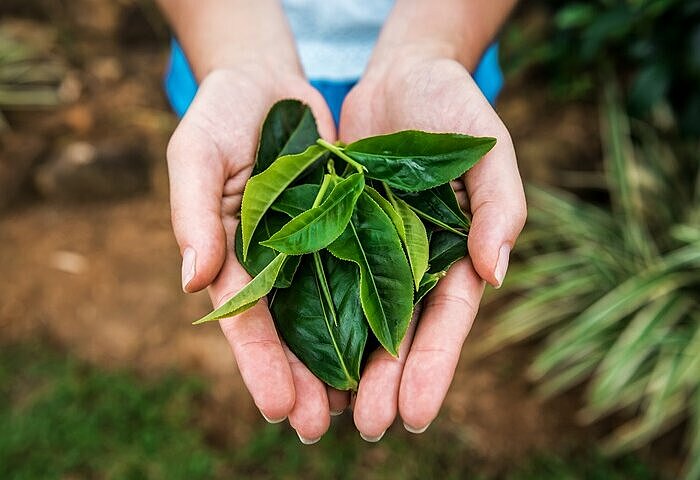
502, 265
335, 413
272, 420
367, 438
188, 267
415, 430
308, 441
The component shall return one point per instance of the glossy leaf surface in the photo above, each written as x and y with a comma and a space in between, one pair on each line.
262, 190
437, 205
289, 128
386, 286
412, 160
328, 339
445, 249
318, 227
296, 200
249, 295
414, 238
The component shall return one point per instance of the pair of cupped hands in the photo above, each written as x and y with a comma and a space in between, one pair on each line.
210, 158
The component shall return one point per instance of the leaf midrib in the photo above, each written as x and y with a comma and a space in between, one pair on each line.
371, 274
348, 377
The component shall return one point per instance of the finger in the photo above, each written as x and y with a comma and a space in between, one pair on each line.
448, 314
338, 401
376, 403
310, 416
196, 188
256, 346
497, 202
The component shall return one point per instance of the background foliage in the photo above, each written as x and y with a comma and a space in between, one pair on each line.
654, 44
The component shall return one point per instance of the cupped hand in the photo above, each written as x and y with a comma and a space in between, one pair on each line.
210, 157
436, 94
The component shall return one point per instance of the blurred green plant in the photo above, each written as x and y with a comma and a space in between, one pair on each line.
28, 77
655, 44
614, 289
61, 419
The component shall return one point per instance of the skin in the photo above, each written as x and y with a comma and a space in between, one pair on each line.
417, 78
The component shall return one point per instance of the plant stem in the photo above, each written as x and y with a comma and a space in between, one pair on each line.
340, 153
322, 190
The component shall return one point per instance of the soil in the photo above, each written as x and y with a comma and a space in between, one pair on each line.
102, 278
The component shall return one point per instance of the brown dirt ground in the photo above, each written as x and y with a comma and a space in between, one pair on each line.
102, 279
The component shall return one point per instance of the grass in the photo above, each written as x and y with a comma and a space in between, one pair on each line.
613, 289
62, 419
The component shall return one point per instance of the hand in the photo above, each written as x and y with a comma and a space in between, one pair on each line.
419, 91
210, 157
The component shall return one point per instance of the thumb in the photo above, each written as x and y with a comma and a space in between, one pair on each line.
196, 186
498, 210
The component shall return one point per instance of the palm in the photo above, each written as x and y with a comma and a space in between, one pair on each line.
435, 95
210, 158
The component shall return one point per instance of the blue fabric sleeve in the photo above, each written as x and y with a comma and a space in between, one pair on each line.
181, 86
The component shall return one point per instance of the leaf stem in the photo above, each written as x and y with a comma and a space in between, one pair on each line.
322, 190
340, 153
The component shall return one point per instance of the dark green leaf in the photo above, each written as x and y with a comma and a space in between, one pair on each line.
437, 205
445, 249
332, 350
412, 160
318, 227
289, 128
263, 189
386, 286
260, 256
296, 200
249, 295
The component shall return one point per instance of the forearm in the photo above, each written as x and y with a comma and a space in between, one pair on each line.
227, 33
457, 29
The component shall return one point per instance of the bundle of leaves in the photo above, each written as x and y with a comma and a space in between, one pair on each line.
346, 239
614, 289
656, 44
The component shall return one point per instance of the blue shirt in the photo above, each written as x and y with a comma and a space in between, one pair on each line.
335, 39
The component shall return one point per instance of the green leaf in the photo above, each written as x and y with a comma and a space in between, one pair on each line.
263, 189
317, 228
289, 128
445, 249
414, 238
296, 200
260, 256
413, 160
331, 350
249, 295
427, 283
437, 205
386, 285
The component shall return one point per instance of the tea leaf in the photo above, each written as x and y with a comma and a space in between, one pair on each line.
289, 128
260, 256
414, 238
249, 295
386, 285
318, 227
296, 200
445, 249
427, 283
413, 160
437, 205
331, 350
263, 189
